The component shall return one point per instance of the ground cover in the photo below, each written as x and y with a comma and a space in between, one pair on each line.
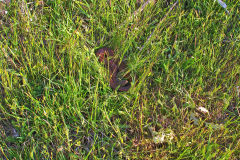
56, 102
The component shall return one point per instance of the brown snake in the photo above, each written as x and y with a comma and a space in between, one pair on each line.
106, 55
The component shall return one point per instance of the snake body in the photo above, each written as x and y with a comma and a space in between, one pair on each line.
106, 55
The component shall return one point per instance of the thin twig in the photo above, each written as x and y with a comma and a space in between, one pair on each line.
159, 24
142, 7
135, 13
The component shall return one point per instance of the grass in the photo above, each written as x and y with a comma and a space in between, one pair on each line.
56, 100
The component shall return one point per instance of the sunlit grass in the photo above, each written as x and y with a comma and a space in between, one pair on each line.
56, 99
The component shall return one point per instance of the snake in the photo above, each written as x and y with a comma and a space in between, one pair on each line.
107, 56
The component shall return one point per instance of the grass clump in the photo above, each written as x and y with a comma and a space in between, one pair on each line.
56, 102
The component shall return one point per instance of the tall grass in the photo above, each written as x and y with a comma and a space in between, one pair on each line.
56, 100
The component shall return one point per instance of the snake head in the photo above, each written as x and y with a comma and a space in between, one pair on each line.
104, 54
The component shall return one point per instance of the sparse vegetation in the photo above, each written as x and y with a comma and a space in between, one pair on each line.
56, 102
